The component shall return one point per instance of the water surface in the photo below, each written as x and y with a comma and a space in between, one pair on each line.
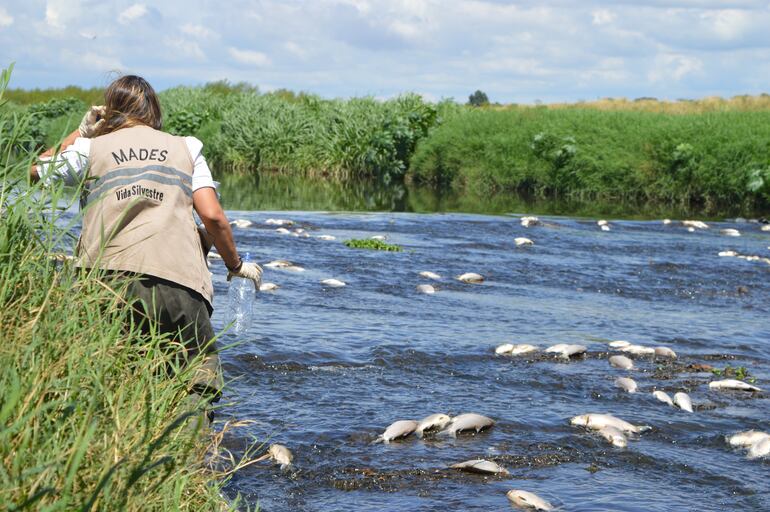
324, 371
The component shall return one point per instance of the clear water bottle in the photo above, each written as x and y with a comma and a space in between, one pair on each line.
241, 296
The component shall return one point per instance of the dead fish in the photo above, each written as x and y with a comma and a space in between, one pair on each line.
505, 348
605, 228
432, 422
522, 349
396, 430
747, 438
268, 287
430, 275
730, 232
278, 453
728, 254
621, 362
241, 223
599, 421
333, 283
481, 466
626, 384
683, 401
733, 385
282, 231
663, 397
379, 237
760, 449
526, 499
279, 222
529, 221
426, 289
614, 436
471, 277
294, 268
278, 264
468, 421
766, 227
566, 350
326, 237
638, 350
665, 352
520, 241
666, 222
619, 344
602, 223
695, 224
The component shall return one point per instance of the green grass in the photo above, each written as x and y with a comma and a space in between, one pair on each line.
706, 156
375, 245
89, 419
699, 161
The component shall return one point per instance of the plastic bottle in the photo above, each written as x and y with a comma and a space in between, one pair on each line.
241, 302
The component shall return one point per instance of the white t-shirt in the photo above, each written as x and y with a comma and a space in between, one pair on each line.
72, 163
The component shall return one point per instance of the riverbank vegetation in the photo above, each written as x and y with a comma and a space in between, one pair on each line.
701, 155
89, 418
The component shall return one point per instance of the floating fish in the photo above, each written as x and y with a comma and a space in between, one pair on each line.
526, 499
732, 384
268, 287
626, 384
522, 241
665, 352
432, 422
468, 421
663, 397
481, 466
333, 283
471, 277
241, 223
683, 401
430, 275
621, 362
397, 430
426, 289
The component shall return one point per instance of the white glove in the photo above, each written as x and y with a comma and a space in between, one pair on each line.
248, 270
92, 121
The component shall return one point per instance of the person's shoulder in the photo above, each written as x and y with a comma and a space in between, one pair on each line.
195, 146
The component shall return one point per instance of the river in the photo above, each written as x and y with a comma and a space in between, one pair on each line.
324, 371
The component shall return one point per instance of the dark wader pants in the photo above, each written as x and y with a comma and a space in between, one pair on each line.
186, 316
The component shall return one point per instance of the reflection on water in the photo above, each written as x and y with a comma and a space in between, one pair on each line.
283, 192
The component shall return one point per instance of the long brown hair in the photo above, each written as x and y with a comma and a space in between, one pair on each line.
130, 100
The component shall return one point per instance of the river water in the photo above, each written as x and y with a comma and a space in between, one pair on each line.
324, 371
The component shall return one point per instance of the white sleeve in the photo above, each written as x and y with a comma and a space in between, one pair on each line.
68, 166
201, 177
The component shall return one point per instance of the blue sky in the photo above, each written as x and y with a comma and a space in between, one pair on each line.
514, 51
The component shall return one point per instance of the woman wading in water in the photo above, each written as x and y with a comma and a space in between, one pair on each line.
142, 187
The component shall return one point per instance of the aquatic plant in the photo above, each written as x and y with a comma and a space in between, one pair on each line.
373, 244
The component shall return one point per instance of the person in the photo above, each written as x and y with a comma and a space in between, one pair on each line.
140, 188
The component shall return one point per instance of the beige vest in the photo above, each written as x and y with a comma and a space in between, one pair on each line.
138, 209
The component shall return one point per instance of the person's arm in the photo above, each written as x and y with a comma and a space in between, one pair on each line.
69, 140
213, 216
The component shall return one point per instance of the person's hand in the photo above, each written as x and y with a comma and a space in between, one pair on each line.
92, 121
247, 270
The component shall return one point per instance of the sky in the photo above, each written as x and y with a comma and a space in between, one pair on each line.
520, 52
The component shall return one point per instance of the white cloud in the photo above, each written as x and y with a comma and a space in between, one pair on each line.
674, 67
185, 48
728, 24
93, 61
6, 20
133, 13
602, 17
58, 13
295, 49
258, 59
198, 31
